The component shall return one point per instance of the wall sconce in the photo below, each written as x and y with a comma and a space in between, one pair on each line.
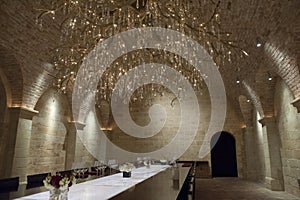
108, 129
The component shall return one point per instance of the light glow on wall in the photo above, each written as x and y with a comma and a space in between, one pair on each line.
254, 98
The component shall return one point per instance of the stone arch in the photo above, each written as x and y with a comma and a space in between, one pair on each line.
284, 61
296, 36
49, 133
61, 99
12, 77
11, 81
223, 155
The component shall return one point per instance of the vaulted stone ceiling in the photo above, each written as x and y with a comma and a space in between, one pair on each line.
26, 48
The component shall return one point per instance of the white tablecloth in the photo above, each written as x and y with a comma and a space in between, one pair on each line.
105, 187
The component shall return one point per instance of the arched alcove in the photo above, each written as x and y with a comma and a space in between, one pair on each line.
49, 132
223, 155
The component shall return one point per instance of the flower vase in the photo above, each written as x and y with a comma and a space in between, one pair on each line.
57, 194
126, 174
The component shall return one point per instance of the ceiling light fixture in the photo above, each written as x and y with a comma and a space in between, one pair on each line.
85, 24
258, 42
270, 78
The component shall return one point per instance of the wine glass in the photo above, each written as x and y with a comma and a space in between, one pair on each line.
113, 164
77, 172
84, 170
103, 166
139, 161
96, 164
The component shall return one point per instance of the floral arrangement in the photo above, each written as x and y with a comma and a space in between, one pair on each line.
59, 182
126, 167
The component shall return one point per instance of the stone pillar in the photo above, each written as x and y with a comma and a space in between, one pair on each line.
251, 153
71, 143
20, 127
18, 144
272, 145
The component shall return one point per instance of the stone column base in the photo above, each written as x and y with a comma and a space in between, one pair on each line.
273, 184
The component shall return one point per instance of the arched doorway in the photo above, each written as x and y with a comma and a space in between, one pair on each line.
223, 155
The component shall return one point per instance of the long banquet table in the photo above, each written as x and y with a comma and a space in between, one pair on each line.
156, 182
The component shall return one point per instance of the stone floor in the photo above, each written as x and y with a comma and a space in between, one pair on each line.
236, 189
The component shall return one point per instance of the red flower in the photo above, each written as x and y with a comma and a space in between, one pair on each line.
55, 180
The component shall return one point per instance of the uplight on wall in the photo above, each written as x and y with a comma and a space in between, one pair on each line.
105, 129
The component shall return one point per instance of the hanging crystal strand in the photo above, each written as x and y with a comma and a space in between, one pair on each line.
114, 24
202, 5
102, 12
123, 20
53, 5
65, 9
229, 56
120, 16
106, 15
187, 6
137, 4
128, 18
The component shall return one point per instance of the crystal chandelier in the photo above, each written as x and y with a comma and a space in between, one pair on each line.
85, 24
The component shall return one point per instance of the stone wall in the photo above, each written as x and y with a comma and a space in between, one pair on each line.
140, 115
52, 132
262, 143
48, 135
82, 156
289, 129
